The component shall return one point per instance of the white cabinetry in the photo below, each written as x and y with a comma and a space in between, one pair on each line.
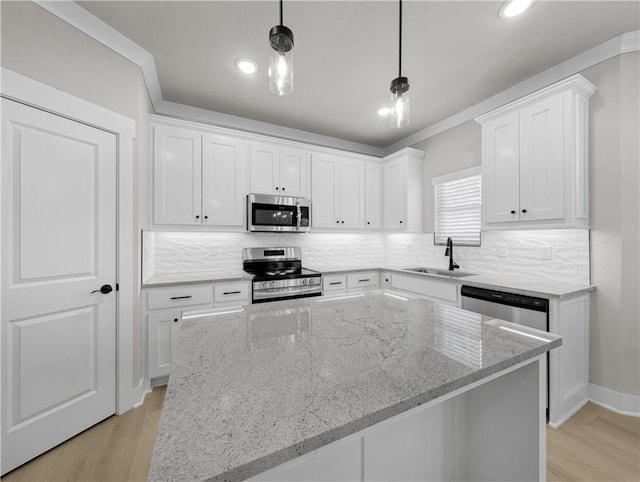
164, 307
373, 196
197, 178
350, 281
439, 291
569, 363
403, 191
534, 159
337, 192
278, 170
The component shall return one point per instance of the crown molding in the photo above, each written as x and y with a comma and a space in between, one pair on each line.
624, 43
89, 24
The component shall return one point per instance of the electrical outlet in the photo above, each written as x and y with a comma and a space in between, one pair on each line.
502, 250
545, 253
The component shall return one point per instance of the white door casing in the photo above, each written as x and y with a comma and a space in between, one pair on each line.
58, 245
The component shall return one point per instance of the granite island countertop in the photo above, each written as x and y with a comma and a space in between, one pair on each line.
254, 388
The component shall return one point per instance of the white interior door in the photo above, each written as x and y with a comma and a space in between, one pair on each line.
58, 245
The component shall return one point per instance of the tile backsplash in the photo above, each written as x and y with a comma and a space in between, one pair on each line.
558, 255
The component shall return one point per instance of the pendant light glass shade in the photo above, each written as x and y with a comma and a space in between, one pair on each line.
399, 86
281, 60
400, 102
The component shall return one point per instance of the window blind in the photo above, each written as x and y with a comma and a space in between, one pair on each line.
458, 207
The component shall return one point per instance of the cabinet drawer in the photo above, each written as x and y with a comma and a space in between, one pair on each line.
424, 286
186, 295
334, 282
231, 291
365, 279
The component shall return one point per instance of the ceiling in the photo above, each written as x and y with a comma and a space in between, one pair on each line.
455, 54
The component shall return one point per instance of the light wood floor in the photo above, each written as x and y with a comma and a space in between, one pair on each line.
595, 445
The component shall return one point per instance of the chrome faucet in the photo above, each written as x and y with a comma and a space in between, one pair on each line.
449, 252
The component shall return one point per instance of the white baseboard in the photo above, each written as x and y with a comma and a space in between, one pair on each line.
622, 403
143, 389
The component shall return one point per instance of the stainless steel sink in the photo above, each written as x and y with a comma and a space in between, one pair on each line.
440, 272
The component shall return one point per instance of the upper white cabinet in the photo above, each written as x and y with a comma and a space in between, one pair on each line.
197, 178
177, 175
534, 159
373, 196
337, 192
403, 198
278, 170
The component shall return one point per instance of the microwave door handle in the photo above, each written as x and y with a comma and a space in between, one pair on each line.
298, 216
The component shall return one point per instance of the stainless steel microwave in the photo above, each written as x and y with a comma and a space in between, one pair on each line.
278, 213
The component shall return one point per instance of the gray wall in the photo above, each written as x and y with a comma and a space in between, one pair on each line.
37, 44
615, 213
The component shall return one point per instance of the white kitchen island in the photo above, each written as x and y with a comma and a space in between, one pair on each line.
376, 386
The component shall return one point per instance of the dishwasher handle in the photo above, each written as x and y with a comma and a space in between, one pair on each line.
505, 298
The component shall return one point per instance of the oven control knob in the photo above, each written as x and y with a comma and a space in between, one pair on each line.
264, 285
311, 281
271, 284
305, 281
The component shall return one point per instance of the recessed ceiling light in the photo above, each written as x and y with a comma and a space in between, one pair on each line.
384, 111
512, 8
247, 66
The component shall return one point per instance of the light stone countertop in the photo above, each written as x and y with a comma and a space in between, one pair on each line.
513, 284
252, 389
195, 277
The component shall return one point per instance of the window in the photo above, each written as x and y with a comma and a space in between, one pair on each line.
458, 206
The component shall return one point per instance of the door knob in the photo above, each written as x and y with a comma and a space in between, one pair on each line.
104, 289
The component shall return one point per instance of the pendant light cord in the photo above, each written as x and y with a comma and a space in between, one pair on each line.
400, 42
281, 12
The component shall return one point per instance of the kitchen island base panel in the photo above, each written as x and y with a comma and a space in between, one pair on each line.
491, 431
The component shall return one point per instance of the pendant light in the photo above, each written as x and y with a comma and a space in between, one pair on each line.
281, 61
400, 87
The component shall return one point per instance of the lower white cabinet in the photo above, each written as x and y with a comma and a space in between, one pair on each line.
350, 281
439, 291
165, 306
569, 363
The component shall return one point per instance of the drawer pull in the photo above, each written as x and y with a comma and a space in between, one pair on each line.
232, 292
180, 297
335, 283
363, 280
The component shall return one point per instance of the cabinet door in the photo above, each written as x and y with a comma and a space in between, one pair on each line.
394, 185
500, 169
351, 194
324, 194
264, 168
292, 171
542, 180
163, 330
223, 181
373, 196
176, 176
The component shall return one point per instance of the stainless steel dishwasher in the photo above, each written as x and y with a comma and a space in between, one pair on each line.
521, 309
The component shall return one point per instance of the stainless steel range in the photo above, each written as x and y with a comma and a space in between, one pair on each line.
278, 274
